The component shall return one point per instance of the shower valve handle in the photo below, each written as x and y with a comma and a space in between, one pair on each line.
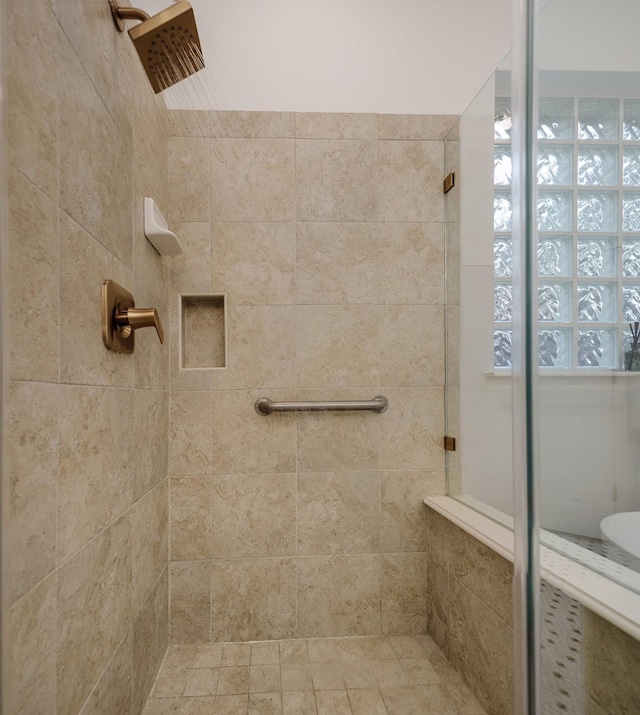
131, 319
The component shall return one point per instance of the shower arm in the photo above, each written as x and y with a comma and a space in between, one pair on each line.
120, 14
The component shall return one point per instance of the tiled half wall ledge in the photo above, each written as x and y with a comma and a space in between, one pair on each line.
608, 599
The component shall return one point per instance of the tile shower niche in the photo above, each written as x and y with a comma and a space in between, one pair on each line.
202, 331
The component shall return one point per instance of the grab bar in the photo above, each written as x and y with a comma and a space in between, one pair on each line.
264, 406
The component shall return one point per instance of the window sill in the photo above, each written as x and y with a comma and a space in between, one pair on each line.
551, 372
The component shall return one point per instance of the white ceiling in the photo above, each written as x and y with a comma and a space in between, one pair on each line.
387, 56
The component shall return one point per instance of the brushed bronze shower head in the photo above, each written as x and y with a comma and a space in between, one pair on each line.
167, 43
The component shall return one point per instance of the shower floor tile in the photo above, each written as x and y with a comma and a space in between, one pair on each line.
395, 675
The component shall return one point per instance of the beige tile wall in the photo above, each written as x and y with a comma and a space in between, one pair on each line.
85, 447
587, 665
325, 232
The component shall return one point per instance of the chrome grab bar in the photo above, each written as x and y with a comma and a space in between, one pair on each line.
264, 406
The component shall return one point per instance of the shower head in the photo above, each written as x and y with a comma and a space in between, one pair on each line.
167, 43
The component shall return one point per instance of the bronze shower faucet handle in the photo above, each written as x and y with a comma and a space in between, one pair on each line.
120, 318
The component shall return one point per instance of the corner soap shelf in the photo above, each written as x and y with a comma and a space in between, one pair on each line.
157, 231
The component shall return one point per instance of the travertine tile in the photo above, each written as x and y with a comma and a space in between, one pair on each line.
452, 250
150, 144
411, 429
254, 515
404, 524
254, 263
338, 512
186, 122
151, 420
190, 601
190, 434
31, 444
480, 647
337, 441
96, 454
411, 339
233, 680
266, 653
404, 593
184, 380
594, 709
389, 673
31, 651
407, 647
170, 683
323, 650
151, 358
245, 442
333, 702
252, 180
92, 621
415, 127
338, 594
84, 265
367, 701
611, 655
191, 270
296, 676
112, 694
231, 705
336, 180
264, 678
180, 657
243, 609
438, 605
208, 655
87, 29
96, 172
251, 125
371, 648
262, 347
265, 704
294, 651
336, 346
337, 263
31, 33
328, 125
419, 671
411, 263
299, 703
203, 333
165, 706
189, 179
439, 538
149, 542
201, 682
32, 323
358, 675
150, 636
190, 518
236, 654
453, 345
409, 182
327, 676
483, 571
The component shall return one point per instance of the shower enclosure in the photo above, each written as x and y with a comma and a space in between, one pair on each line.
572, 290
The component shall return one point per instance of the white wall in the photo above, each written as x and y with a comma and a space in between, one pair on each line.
590, 35
387, 56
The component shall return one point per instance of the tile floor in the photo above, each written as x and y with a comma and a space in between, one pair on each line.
398, 675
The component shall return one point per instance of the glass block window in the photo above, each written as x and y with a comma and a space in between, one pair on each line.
588, 216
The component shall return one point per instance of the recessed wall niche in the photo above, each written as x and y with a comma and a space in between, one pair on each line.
202, 331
